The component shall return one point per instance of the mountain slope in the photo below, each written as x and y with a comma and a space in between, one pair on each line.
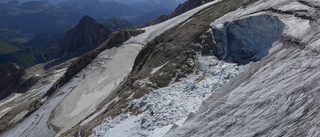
99, 68
277, 96
84, 37
13, 81
172, 61
254, 62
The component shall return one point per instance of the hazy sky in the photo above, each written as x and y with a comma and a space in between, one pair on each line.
133, 1
121, 1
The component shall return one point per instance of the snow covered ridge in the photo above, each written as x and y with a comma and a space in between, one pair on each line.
170, 105
155, 30
277, 96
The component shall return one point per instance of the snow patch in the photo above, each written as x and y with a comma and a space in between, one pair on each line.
154, 70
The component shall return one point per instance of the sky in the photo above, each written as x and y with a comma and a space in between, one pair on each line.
133, 1
120, 1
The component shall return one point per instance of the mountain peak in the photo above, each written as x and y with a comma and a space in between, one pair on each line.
87, 20
85, 36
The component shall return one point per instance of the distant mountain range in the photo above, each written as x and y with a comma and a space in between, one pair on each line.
32, 30
24, 19
84, 37
119, 1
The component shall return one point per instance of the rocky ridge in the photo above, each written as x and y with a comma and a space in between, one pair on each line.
14, 80
84, 37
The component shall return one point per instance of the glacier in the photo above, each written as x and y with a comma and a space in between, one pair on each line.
276, 96
169, 106
261, 79
83, 94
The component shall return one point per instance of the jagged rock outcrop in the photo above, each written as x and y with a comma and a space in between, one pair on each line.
12, 80
84, 37
11, 74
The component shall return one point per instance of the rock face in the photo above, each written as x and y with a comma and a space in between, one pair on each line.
84, 37
12, 81
11, 74
31, 105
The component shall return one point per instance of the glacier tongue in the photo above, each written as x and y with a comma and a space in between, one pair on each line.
277, 96
170, 105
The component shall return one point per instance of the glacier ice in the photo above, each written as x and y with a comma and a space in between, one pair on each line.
248, 39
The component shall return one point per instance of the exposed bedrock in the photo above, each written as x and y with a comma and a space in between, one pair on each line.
248, 39
14, 80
